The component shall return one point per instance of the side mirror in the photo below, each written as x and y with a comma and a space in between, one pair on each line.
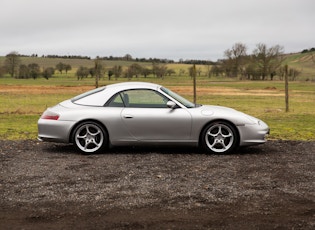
171, 104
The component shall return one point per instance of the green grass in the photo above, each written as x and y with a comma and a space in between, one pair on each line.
29, 104
19, 111
291, 126
18, 126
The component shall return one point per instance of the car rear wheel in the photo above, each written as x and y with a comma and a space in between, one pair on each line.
89, 137
219, 138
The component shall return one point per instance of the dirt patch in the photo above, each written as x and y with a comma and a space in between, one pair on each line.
227, 91
45, 185
271, 88
37, 90
34, 90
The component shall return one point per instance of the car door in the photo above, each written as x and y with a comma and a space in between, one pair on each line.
148, 118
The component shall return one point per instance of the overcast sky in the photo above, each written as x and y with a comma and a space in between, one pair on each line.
173, 29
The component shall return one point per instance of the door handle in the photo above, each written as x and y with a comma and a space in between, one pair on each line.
128, 116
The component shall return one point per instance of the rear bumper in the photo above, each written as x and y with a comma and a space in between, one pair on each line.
46, 139
54, 131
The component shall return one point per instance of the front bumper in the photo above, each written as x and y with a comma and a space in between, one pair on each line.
253, 134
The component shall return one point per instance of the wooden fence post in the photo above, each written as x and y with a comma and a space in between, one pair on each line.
286, 86
194, 73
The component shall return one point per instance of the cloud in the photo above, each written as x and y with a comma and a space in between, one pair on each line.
188, 29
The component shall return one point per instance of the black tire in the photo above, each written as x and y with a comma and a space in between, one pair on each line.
219, 138
89, 137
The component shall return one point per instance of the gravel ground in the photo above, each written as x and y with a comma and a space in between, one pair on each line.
46, 185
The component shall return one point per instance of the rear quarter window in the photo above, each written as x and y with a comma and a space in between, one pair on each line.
91, 97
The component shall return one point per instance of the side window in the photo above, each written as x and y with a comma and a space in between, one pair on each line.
116, 101
143, 98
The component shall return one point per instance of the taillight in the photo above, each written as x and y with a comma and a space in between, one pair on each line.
50, 115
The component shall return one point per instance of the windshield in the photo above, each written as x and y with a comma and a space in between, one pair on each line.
179, 98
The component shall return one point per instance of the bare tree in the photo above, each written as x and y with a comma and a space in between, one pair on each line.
60, 67
216, 70
2, 71
181, 72
24, 72
209, 68
135, 69
169, 72
82, 72
99, 70
63, 67
159, 70
127, 57
34, 70
146, 71
48, 72
11, 63
268, 60
67, 67
235, 59
117, 71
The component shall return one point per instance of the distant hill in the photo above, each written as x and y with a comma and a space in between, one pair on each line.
303, 62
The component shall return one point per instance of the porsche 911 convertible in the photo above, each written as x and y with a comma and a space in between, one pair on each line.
138, 113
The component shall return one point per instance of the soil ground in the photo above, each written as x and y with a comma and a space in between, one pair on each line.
51, 186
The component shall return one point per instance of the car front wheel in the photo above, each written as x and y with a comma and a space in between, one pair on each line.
89, 137
219, 138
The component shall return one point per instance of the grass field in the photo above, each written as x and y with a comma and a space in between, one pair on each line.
22, 101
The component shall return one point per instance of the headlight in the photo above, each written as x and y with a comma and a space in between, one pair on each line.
253, 120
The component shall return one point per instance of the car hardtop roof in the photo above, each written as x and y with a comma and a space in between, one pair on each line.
133, 84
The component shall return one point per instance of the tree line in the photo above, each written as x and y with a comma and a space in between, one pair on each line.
128, 57
263, 63
16, 69
159, 70
55, 56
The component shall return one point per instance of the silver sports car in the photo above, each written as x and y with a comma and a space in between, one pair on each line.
137, 113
